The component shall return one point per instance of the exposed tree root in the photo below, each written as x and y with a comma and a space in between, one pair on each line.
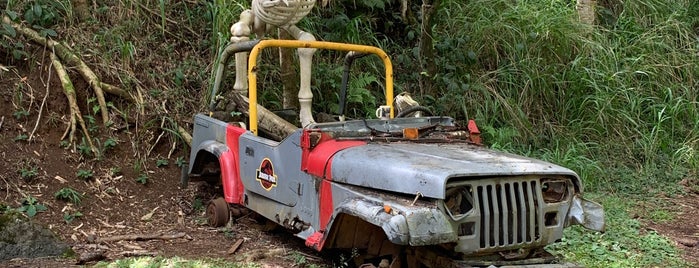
70, 58
41, 108
69, 91
118, 92
185, 135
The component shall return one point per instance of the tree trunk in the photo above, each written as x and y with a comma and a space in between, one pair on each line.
81, 9
289, 76
586, 11
427, 62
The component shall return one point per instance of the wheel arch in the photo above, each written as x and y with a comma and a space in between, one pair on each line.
355, 216
206, 152
227, 163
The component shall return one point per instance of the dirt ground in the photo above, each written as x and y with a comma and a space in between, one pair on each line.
115, 204
683, 229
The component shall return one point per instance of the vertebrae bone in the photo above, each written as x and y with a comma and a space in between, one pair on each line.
281, 13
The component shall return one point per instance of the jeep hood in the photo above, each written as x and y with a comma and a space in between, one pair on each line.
417, 167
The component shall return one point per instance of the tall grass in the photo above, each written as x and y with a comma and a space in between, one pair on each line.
628, 85
619, 95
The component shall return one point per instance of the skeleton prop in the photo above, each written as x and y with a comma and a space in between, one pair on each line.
282, 14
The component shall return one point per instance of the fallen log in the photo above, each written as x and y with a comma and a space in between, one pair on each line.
141, 237
139, 253
91, 256
270, 123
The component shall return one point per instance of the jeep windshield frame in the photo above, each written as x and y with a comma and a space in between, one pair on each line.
262, 44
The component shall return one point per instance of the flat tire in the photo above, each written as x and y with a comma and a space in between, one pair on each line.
218, 213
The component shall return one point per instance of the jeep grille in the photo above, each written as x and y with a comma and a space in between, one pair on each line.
499, 212
509, 213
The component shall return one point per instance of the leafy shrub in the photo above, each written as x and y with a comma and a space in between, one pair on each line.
69, 217
28, 173
31, 206
85, 174
68, 194
142, 178
161, 162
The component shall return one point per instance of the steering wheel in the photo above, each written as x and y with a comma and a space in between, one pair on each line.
415, 109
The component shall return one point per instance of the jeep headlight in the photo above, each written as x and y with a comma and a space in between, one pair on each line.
554, 190
459, 201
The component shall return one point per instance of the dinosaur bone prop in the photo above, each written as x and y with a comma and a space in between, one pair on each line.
282, 14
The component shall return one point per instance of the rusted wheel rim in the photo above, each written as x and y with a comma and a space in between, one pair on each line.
217, 212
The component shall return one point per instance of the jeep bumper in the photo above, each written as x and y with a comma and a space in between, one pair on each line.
586, 213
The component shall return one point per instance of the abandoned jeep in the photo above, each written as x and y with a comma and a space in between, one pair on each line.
403, 191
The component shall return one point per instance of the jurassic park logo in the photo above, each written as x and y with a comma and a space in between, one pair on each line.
266, 176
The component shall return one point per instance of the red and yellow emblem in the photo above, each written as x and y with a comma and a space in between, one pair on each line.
266, 176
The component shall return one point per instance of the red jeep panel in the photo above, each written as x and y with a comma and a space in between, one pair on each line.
230, 171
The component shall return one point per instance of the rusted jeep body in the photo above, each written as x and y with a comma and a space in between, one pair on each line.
419, 191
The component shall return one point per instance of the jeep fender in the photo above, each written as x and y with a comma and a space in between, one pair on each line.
415, 226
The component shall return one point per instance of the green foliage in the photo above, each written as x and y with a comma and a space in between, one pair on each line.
299, 260
114, 171
660, 215
616, 103
198, 205
174, 262
20, 114
84, 148
110, 143
41, 16
69, 217
180, 162
161, 162
142, 178
574, 155
360, 22
31, 206
624, 244
344, 260
28, 173
4, 208
85, 174
138, 166
21, 137
16, 48
360, 99
69, 195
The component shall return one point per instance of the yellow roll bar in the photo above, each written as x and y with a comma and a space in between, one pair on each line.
254, 54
